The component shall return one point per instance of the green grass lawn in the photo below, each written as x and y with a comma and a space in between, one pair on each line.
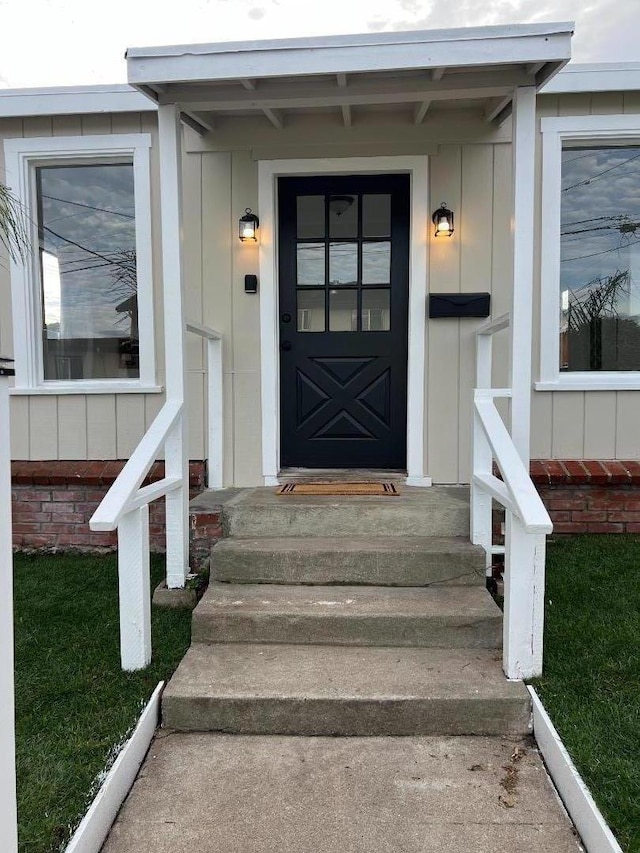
591, 682
73, 703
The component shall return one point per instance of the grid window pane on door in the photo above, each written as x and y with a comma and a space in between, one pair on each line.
344, 242
88, 279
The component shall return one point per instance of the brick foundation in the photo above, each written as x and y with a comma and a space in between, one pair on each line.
585, 496
590, 496
53, 502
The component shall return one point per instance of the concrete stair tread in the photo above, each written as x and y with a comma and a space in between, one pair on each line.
307, 672
434, 616
339, 544
464, 603
384, 560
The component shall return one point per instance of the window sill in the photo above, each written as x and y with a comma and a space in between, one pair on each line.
79, 387
591, 382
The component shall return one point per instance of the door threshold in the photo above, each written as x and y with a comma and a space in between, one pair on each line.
339, 475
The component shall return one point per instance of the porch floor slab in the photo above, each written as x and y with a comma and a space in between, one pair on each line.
204, 793
435, 511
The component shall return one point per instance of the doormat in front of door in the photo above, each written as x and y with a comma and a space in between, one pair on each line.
338, 489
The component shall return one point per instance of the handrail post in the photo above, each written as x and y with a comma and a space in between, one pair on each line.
8, 804
176, 446
523, 621
215, 448
134, 589
481, 502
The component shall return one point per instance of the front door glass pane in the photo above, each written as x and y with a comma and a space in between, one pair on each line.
343, 216
310, 261
311, 310
343, 264
343, 310
376, 215
310, 217
376, 262
376, 315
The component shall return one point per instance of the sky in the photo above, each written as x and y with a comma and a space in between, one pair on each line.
75, 42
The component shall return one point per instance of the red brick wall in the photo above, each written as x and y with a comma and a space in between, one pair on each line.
590, 496
53, 502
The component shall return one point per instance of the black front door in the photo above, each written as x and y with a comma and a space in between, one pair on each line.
344, 283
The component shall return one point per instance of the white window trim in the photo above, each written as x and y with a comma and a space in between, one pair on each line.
21, 155
607, 129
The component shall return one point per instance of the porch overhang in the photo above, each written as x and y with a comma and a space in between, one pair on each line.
404, 72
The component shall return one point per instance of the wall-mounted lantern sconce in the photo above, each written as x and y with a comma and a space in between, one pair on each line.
248, 227
443, 220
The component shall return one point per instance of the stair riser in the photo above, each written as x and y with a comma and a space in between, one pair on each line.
344, 520
367, 717
349, 630
348, 567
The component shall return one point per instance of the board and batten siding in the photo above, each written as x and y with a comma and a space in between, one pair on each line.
581, 424
470, 168
95, 426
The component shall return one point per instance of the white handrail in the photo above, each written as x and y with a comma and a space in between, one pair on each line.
494, 324
215, 391
115, 503
526, 501
527, 520
203, 331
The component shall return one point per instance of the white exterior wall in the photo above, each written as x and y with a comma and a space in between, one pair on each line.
469, 169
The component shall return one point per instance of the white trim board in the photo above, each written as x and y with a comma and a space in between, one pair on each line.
268, 172
95, 825
608, 129
73, 100
21, 157
575, 795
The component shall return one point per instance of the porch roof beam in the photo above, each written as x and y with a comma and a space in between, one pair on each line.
249, 85
436, 49
420, 112
438, 73
272, 90
499, 109
197, 122
300, 96
274, 117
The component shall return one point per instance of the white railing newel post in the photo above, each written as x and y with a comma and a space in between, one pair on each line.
523, 601
215, 479
134, 584
8, 803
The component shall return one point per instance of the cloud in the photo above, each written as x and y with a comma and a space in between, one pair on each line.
256, 13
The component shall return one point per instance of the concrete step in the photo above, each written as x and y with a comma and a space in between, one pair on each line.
334, 690
438, 616
376, 560
438, 511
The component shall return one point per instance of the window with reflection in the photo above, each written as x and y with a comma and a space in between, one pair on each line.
600, 258
88, 278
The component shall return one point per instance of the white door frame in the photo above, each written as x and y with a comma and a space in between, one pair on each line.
268, 173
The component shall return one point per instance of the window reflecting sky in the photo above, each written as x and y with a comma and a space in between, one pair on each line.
87, 238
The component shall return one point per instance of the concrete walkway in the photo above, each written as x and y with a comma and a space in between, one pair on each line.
215, 793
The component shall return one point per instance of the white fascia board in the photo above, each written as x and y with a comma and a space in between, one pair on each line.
459, 48
596, 77
73, 100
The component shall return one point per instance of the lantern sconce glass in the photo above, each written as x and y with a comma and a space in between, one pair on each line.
248, 227
443, 220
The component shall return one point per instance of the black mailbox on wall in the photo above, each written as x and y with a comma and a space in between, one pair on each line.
459, 305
